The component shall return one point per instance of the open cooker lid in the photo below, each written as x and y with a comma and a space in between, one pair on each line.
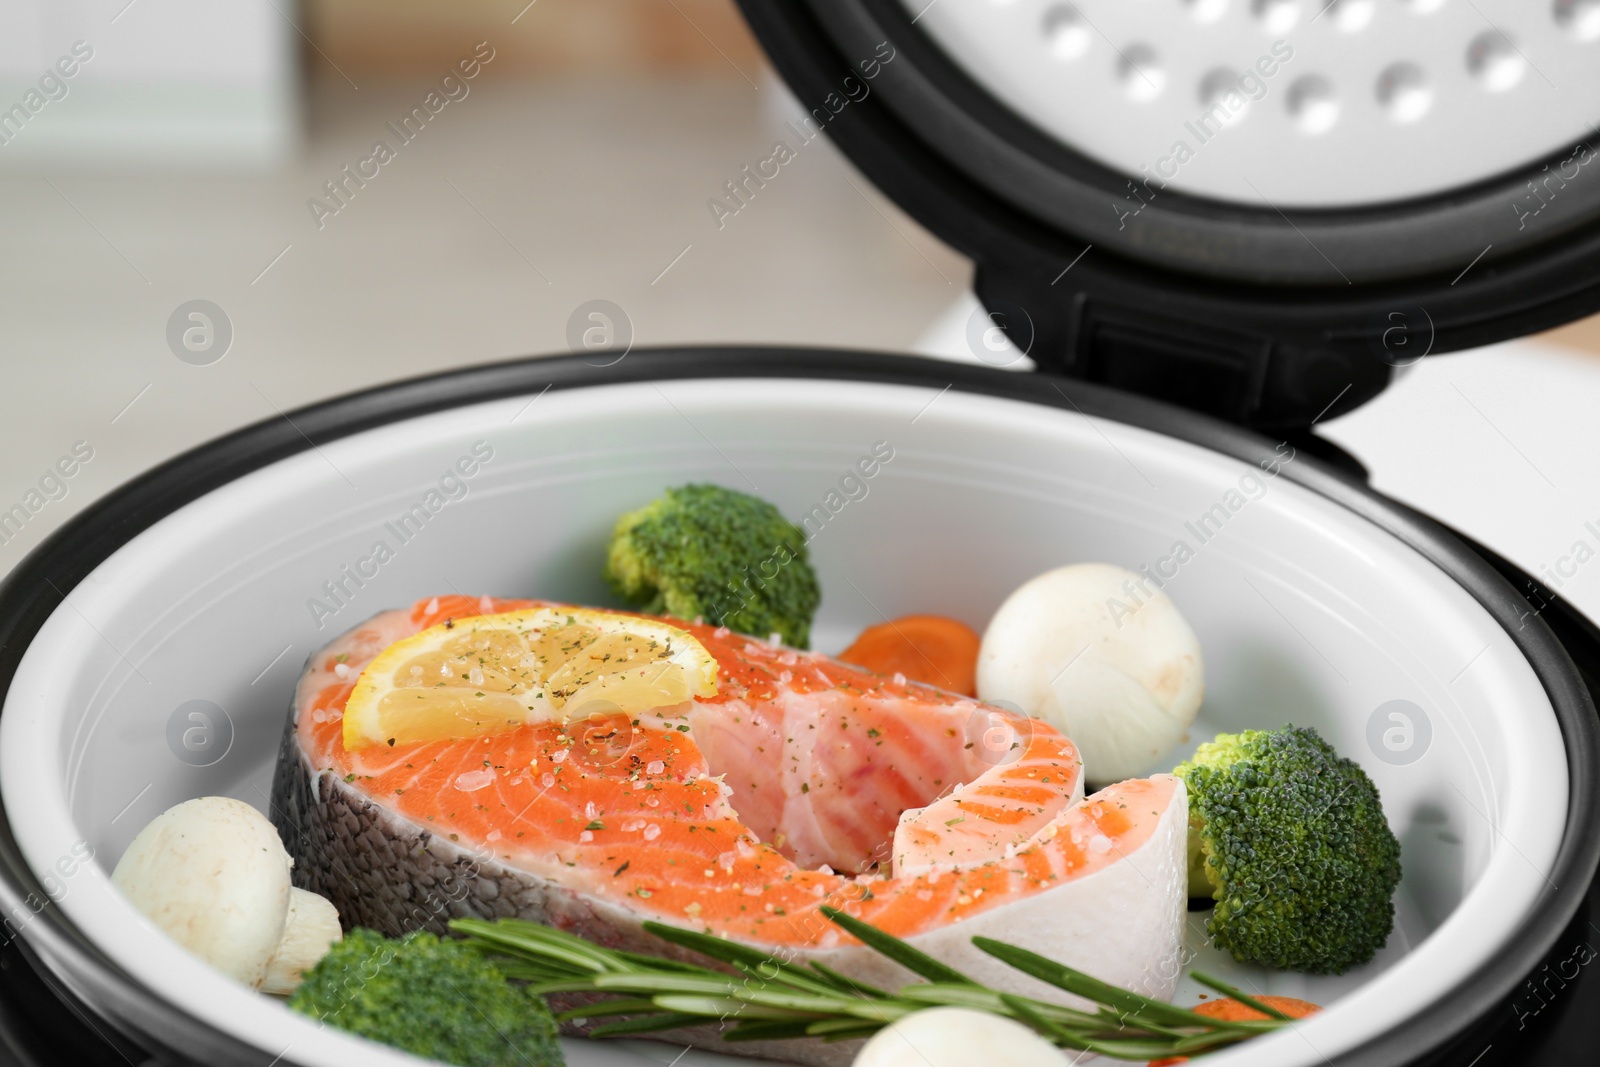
1329, 217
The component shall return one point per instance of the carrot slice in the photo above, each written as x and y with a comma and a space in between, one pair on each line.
925, 648
1230, 1010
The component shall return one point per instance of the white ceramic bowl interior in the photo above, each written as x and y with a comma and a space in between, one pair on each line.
1306, 612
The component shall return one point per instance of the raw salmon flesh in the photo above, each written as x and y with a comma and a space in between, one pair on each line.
804, 782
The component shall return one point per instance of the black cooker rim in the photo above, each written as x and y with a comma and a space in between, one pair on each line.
42, 579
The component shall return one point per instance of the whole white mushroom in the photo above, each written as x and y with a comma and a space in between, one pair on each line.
1103, 656
957, 1037
214, 876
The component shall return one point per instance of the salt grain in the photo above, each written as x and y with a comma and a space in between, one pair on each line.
655, 766
652, 832
472, 781
586, 837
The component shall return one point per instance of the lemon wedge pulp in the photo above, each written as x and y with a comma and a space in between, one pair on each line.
488, 673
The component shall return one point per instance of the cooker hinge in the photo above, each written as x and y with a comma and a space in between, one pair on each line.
1218, 372
1193, 361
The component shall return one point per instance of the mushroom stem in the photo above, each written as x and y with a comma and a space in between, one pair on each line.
311, 925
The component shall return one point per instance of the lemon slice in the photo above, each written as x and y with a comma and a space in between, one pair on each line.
489, 673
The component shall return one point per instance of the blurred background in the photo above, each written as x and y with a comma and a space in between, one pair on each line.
540, 155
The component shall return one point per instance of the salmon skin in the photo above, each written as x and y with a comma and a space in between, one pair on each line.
804, 782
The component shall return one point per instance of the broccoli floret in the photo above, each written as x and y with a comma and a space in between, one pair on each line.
732, 559
433, 998
1291, 841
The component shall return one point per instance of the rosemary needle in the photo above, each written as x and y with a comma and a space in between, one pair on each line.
770, 999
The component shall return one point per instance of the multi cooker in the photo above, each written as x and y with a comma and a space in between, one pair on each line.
1185, 323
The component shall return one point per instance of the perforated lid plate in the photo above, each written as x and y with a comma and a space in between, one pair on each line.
1310, 103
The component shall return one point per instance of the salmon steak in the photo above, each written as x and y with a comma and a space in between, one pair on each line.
802, 782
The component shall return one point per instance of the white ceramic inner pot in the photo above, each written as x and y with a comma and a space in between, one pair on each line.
1307, 613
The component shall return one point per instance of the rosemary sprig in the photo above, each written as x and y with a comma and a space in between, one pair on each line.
767, 999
